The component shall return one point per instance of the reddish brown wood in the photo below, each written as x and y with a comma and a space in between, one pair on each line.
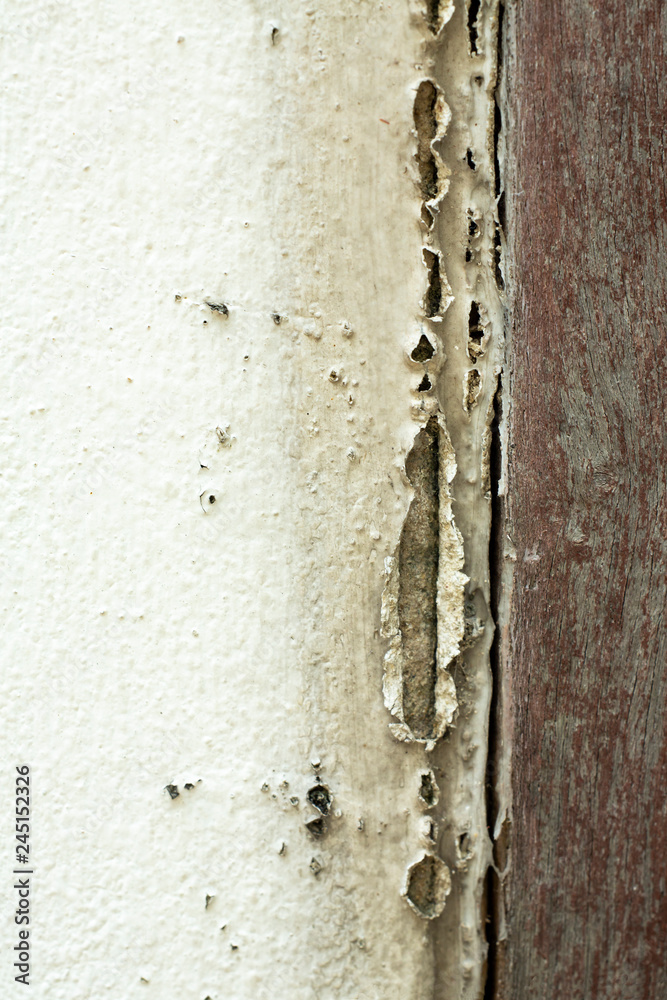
586, 217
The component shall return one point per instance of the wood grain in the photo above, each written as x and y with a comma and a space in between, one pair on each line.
586, 218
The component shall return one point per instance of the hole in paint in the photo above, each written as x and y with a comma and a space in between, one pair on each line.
473, 27
473, 386
433, 297
426, 126
428, 790
218, 307
433, 15
418, 556
316, 827
424, 350
475, 328
501, 211
320, 797
475, 333
429, 884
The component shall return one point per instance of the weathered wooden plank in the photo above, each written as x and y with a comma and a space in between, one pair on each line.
586, 214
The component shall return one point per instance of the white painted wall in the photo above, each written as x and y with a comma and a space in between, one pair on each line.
158, 157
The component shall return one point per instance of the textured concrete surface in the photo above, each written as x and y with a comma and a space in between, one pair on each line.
220, 260
256, 156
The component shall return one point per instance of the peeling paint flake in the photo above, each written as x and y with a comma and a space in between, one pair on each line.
427, 886
423, 601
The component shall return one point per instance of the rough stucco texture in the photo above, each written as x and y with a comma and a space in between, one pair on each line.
161, 160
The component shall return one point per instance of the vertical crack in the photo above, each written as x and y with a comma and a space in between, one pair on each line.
470, 242
497, 820
473, 30
493, 895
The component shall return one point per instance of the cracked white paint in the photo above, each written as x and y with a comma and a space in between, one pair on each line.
158, 159
450, 613
461, 243
468, 81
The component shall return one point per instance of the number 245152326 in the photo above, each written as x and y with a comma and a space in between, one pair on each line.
22, 814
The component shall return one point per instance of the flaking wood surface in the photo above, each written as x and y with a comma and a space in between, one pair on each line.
586, 214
